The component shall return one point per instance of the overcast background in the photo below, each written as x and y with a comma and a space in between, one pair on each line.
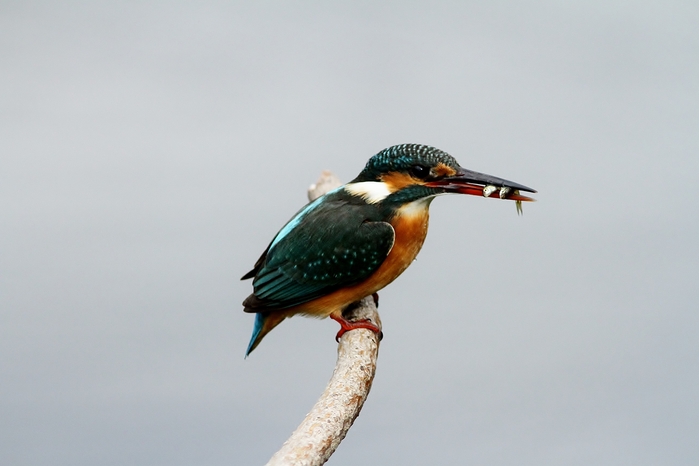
150, 151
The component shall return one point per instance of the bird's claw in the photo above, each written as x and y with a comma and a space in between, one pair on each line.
346, 326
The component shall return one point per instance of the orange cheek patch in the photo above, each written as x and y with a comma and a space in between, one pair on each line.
443, 170
397, 181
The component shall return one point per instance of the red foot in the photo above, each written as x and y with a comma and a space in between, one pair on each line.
346, 326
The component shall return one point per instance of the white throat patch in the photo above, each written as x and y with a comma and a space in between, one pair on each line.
416, 208
371, 191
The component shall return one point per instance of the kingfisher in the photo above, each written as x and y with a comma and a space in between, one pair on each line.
355, 240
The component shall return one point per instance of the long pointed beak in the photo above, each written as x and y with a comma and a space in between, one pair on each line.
480, 184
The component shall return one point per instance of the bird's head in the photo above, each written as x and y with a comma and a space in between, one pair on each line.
410, 172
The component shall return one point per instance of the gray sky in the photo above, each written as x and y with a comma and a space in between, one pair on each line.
150, 151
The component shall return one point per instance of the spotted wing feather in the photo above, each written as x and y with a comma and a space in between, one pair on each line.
337, 244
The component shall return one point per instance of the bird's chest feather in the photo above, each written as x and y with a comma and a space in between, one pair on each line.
410, 225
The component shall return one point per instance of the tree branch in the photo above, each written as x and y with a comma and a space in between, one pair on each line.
321, 432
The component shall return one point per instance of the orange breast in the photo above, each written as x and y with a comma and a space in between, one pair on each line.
410, 225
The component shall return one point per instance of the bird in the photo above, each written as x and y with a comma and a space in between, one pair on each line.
355, 240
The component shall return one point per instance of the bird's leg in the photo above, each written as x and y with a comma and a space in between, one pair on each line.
346, 325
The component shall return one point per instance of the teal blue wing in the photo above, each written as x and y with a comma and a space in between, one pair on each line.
327, 246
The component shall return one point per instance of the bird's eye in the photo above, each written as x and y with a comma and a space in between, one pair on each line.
420, 171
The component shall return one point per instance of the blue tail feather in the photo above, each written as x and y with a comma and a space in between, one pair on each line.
256, 331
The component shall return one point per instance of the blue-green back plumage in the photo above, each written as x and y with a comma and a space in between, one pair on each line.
337, 243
